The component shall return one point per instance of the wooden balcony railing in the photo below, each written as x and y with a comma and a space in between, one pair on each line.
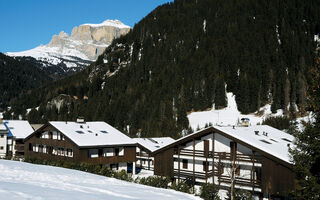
217, 155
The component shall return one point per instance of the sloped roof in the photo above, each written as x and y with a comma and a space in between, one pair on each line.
92, 133
275, 143
153, 144
19, 129
266, 138
3, 127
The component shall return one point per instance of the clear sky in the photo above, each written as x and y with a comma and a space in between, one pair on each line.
25, 24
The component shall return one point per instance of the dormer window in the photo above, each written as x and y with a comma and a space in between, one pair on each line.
265, 141
285, 139
80, 132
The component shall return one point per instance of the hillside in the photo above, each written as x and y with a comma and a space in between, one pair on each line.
184, 57
19, 76
19, 180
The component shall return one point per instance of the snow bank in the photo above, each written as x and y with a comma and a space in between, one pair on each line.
21, 181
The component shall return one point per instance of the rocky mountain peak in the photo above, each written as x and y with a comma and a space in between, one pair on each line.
83, 46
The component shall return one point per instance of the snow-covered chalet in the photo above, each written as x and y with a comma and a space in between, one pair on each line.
90, 142
254, 158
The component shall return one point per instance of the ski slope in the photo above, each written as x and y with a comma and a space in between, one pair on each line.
19, 180
230, 115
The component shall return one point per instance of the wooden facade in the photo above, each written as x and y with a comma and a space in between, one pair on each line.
198, 158
63, 148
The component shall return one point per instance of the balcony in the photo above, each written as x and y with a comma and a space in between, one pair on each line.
19, 147
222, 156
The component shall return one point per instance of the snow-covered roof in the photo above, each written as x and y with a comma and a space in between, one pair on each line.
3, 127
19, 129
153, 144
92, 133
266, 138
113, 23
262, 137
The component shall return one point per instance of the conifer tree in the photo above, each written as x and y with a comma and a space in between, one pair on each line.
306, 155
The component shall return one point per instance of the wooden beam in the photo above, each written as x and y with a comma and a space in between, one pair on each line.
178, 162
194, 162
252, 172
213, 157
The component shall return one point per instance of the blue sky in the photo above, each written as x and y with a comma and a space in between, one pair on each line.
26, 24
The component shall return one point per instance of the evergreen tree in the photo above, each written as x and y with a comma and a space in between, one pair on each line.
306, 155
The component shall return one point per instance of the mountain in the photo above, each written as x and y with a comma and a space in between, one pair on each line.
18, 76
83, 46
185, 56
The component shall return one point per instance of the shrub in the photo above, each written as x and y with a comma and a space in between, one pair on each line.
181, 186
209, 191
155, 181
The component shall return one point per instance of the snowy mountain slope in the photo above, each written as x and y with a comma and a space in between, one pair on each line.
231, 116
83, 46
19, 180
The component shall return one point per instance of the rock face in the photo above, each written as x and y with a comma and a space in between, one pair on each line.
83, 46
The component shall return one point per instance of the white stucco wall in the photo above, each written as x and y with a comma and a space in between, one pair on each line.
3, 144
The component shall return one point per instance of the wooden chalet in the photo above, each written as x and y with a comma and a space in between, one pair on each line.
90, 142
253, 158
145, 148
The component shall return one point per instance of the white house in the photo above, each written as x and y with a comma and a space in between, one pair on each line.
3, 139
145, 147
254, 158
18, 131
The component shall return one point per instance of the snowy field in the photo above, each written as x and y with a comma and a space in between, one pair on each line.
230, 115
19, 180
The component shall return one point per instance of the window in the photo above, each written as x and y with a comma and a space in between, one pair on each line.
2, 136
107, 152
265, 141
69, 153
205, 165
237, 172
93, 153
80, 132
114, 166
1, 148
220, 168
104, 131
184, 163
285, 139
100, 152
121, 151
257, 171
30, 147
116, 151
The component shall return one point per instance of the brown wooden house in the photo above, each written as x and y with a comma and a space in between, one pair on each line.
145, 147
253, 158
90, 142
